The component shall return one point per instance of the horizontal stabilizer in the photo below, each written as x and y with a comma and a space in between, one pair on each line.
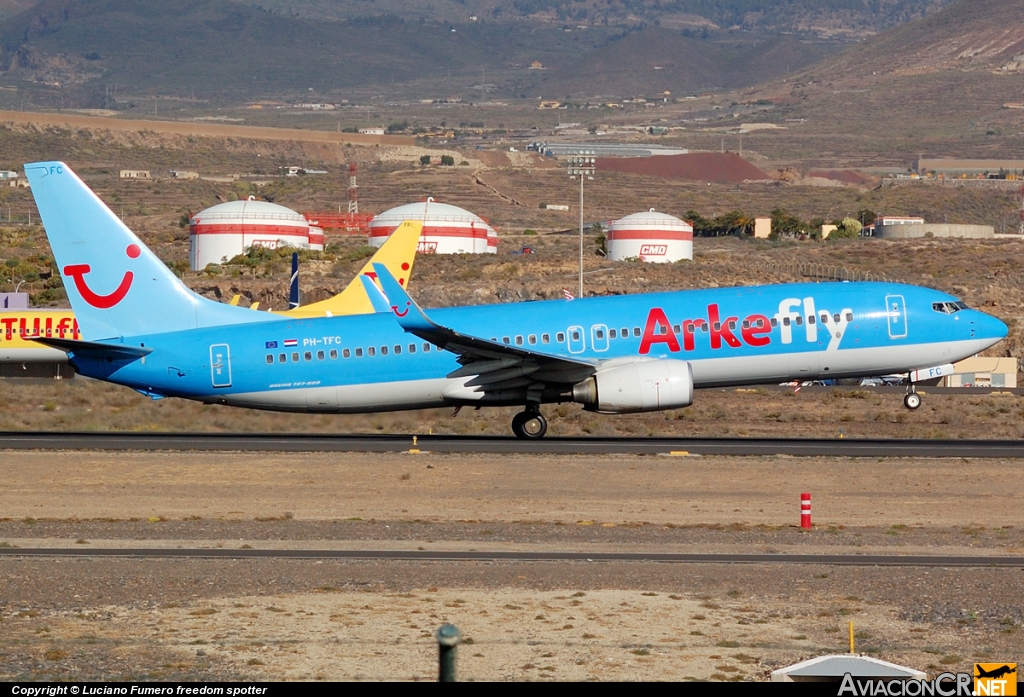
94, 349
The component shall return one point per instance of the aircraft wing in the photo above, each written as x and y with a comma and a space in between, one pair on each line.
493, 366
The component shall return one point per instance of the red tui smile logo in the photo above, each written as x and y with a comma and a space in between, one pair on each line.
103, 302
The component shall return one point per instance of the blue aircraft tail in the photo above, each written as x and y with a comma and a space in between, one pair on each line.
116, 285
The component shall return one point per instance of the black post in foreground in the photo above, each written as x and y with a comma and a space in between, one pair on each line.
448, 638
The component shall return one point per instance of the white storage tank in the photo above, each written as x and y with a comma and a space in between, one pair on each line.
226, 230
447, 229
650, 236
316, 238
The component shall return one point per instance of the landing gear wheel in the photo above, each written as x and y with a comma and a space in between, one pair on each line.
529, 425
912, 400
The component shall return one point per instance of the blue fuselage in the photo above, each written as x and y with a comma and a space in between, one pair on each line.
730, 336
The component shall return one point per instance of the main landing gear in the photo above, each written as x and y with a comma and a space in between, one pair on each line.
530, 424
912, 400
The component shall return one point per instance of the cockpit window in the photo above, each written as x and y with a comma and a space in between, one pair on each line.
949, 308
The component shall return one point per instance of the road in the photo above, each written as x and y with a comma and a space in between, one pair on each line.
525, 556
829, 447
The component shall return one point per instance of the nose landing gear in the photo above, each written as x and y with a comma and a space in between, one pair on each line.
529, 424
912, 400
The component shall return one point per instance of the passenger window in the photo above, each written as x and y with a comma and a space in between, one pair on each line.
746, 324
718, 326
675, 328
849, 316
575, 336
545, 338
346, 353
612, 334
309, 355
810, 319
371, 351
383, 350
359, 353
334, 354
398, 350
426, 347
732, 324
519, 340
836, 317
282, 358
532, 339
270, 359
624, 333
785, 321
319, 355
636, 331
295, 358
799, 320
774, 322
824, 318
599, 334
505, 340
560, 337
412, 348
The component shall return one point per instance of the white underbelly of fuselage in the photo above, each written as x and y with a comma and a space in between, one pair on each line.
709, 372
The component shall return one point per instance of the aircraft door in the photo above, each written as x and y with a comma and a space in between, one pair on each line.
599, 337
897, 310
577, 341
220, 365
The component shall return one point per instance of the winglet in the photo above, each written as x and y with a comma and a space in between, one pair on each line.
377, 299
409, 315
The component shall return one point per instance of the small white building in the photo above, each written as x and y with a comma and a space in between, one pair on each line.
650, 236
135, 174
6, 174
762, 228
372, 131
447, 229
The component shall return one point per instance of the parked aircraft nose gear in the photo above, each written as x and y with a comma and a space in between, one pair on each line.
912, 400
529, 424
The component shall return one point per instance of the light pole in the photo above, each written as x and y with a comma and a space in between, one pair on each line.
582, 164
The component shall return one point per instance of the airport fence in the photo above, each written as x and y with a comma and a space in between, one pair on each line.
828, 272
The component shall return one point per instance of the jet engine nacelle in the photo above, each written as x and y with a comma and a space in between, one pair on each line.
639, 385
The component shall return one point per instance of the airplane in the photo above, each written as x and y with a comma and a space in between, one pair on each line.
142, 328
995, 672
398, 253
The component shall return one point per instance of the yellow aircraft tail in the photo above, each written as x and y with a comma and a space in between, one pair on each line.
398, 254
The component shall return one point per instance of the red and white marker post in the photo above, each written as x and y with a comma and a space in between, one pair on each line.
805, 511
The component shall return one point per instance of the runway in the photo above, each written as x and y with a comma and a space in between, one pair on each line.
888, 560
235, 442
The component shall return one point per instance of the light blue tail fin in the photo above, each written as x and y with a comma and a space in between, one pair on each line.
116, 285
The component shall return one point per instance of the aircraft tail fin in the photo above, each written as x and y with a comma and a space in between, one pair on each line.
293, 290
116, 285
398, 253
